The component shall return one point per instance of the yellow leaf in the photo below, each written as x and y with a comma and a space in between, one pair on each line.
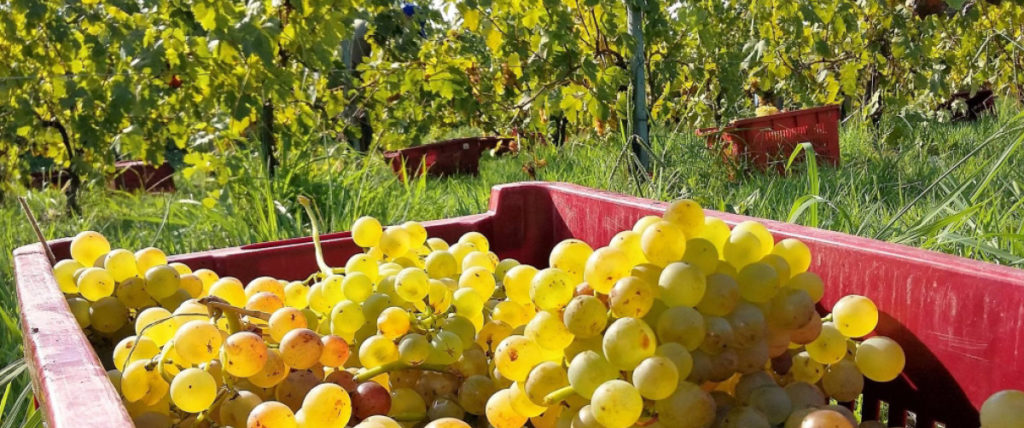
471, 19
209, 202
494, 40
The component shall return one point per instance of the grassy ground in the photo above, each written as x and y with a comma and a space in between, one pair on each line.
956, 188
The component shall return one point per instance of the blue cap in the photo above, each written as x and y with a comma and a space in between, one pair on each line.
409, 9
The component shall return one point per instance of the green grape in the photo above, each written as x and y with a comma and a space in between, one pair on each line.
796, 254
551, 289
316, 299
641, 225
855, 316
366, 232
193, 390
108, 315
701, 253
500, 412
829, 347
687, 407
744, 417
439, 296
585, 316
1004, 409
243, 354
521, 401
809, 282
627, 342
414, 348
773, 402
64, 272
679, 356
681, 284
721, 295
393, 322
346, 317
441, 264
715, 231
663, 243
175, 300
780, 265
631, 297
763, 235
880, 358
758, 282
515, 356
628, 242
120, 263
235, 410
753, 357
197, 342
477, 279
616, 404
477, 239
517, 283
478, 259
273, 372
748, 324
394, 243
271, 414
377, 351
148, 258
843, 381
604, 267
227, 288
80, 309
95, 283
791, 309
301, 348
474, 392
701, 370
133, 348
806, 369
683, 325
570, 256
544, 379
503, 267
467, 302
284, 320
656, 378
412, 284
364, 264
328, 405
406, 401
132, 293
157, 323
88, 246
742, 248
804, 395
462, 327
330, 288
547, 330
687, 215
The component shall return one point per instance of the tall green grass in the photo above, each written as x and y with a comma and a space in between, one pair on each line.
956, 188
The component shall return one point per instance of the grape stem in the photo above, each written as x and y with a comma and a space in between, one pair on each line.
648, 422
558, 395
394, 366
327, 271
225, 307
160, 363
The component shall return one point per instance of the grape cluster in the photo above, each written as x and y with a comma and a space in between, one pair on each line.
681, 321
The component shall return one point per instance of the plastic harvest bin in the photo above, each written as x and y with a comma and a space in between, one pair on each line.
960, 321
458, 156
769, 140
138, 175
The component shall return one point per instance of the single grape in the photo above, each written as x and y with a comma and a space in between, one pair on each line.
826, 418
1004, 409
95, 283
394, 243
515, 356
243, 354
551, 289
806, 369
197, 342
393, 322
235, 410
88, 246
365, 264
548, 331
687, 215
687, 407
346, 317
463, 328
467, 302
679, 356
631, 297
880, 358
327, 405
366, 231
702, 254
804, 395
474, 392
445, 422
377, 351
108, 315
681, 284
271, 414
629, 242
132, 292
753, 357
265, 302
809, 282
663, 243
656, 378
742, 248
230, 289
587, 371
683, 325
64, 272
517, 283
273, 372
808, 332
502, 269
500, 413
604, 267
570, 256
521, 402
412, 284
478, 259
720, 296
301, 348
796, 253
293, 389
715, 231
585, 316
441, 264
627, 342
773, 402
80, 309
830, 345
156, 324
317, 301
758, 282
478, 279
791, 309
511, 313
544, 379
855, 316
843, 381
134, 348
445, 348
616, 404
744, 417
414, 348
193, 390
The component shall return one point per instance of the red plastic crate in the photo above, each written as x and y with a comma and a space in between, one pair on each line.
458, 156
138, 175
960, 321
768, 141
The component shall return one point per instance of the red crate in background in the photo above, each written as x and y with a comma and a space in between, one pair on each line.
768, 141
458, 156
138, 175
960, 321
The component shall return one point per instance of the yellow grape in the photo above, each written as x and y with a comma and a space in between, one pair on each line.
193, 390
631, 297
467, 302
880, 359
156, 324
264, 301
378, 421
394, 243
301, 348
417, 233
134, 348
842, 381
517, 283
271, 414
641, 225
688, 406
80, 309
629, 242
678, 355
491, 334
681, 284
521, 401
437, 244
829, 347
64, 272
742, 248
95, 283
809, 282
715, 231
208, 276
683, 325
243, 354
393, 322
656, 378
570, 256
551, 289
500, 412
273, 372
296, 294
616, 404
412, 284
147, 258
235, 410
88, 246
230, 289
477, 239
663, 243
330, 288
1004, 409
511, 313
120, 263
197, 342
366, 232
687, 215
447, 423
139, 382
547, 330
758, 282
182, 268
414, 348
441, 264
764, 237
265, 283
346, 318
108, 315
377, 350
460, 251
440, 296
604, 267
478, 279
335, 352
478, 259
192, 285
587, 371
175, 300
364, 264
544, 379
327, 405
855, 316
515, 356
720, 296
701, 253
779, 264
316, 299
284, 320
627, 342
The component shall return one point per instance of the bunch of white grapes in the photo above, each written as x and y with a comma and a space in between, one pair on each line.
679, 322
